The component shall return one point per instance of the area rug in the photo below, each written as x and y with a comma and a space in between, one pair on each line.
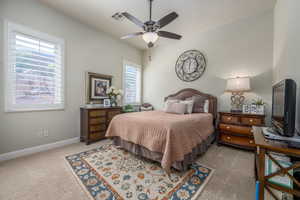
110, 173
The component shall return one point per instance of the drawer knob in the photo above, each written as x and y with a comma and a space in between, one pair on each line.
228, 127
251, 120
228, 138
251, 142
229, 118
251, 131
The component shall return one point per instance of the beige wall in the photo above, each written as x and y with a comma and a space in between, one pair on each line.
287, 44
86, 50
243, 48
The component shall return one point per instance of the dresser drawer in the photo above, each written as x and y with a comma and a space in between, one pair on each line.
97, 113
97, 136
252, 121
236, 140
97, 121
111, 114
96, 128
229, 119
236, 129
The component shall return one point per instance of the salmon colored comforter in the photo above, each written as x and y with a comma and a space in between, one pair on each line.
172, 135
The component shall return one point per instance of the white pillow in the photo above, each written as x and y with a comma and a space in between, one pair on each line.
177, 108
206, 106
189, 106
169, 101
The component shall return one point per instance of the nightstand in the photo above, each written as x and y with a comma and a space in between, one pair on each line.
94, 122
235, 129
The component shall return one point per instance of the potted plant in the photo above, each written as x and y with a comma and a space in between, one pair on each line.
113, 95
259, 105
128, 108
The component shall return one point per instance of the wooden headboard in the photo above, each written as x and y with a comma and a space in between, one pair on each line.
189, 92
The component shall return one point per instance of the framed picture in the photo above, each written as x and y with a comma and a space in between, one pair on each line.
97, 86
253, 109
246, 109
106, 102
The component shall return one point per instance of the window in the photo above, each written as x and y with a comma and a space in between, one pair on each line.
132, 83
34, 62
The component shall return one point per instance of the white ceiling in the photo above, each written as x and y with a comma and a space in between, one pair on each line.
194, 15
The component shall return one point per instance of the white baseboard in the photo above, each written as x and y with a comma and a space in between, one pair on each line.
36, 149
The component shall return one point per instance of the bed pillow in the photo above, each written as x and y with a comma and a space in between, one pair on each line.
199, 102
206, 106
169, 101
177, 108
189, 106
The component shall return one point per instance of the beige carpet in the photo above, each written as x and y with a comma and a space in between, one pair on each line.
46, 176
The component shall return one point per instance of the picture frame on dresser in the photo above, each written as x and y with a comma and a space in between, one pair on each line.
106, 102
96, 86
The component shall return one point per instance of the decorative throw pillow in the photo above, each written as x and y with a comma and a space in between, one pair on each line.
199, 102
177, 108
189, 105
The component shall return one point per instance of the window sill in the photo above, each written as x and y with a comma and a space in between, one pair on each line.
33, 110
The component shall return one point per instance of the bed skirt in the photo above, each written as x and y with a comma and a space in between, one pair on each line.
200, 149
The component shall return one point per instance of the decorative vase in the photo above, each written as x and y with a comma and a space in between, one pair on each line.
113, 101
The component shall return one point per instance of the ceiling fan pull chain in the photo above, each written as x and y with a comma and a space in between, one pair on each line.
150, 55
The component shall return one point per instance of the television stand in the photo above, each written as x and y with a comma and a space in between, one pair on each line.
270, 134
265, 149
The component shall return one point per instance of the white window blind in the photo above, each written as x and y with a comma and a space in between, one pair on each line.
132, 83
34, 70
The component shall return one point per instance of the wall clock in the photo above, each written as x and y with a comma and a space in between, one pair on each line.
190, 65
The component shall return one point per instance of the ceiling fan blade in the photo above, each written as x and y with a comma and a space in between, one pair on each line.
169, 35
132, 35
133, 19
167, 19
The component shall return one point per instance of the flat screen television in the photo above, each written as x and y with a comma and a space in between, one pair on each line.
284, 107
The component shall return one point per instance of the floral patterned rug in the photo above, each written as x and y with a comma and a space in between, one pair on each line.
110, 173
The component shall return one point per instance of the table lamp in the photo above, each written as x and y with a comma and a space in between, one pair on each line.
237, 86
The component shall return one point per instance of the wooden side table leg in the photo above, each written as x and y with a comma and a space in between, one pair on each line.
261, 172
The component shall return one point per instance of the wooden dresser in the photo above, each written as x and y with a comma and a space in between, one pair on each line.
94, 122
235, 129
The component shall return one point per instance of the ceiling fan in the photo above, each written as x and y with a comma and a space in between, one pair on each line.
151, 28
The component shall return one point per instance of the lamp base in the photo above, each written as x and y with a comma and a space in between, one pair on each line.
237, 101
236, 111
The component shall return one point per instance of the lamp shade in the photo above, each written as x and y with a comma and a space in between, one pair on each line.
150, 37
238, 84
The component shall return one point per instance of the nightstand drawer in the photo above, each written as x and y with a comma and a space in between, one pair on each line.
236, 140
252, 121
97, 113
229, 119
97, 136
97, 121
236, 129
101, 127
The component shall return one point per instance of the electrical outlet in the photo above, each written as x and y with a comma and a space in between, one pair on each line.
46, 132
40, 133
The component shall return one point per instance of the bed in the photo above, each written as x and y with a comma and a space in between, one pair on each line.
171, 139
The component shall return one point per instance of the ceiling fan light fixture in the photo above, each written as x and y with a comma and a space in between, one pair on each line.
150, 37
